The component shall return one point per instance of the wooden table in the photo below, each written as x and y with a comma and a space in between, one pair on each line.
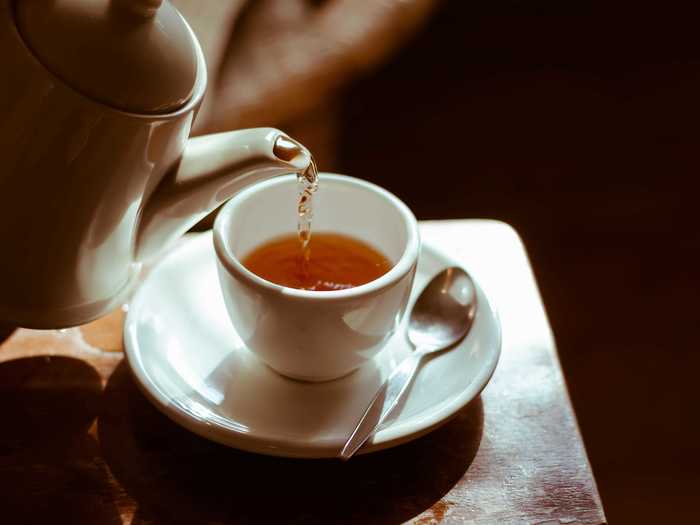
79, 444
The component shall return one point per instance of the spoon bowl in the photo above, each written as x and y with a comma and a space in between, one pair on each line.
444, 311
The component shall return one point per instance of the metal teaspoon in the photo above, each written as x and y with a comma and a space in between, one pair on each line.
440, 318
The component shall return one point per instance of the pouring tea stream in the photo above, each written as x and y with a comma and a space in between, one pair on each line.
98, 173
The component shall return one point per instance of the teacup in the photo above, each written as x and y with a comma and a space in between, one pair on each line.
312, 335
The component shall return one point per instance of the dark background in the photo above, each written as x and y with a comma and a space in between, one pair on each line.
578, 124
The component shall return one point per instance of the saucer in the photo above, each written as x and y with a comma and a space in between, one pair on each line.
190, 363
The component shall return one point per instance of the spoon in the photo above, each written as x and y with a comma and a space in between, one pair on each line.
440, 318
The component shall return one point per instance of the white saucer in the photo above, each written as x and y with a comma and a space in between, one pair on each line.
188, 360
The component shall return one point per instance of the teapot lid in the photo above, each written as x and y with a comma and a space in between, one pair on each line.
135, 55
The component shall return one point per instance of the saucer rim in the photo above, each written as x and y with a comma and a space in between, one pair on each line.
393, 435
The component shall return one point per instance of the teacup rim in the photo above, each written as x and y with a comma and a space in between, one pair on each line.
403, 266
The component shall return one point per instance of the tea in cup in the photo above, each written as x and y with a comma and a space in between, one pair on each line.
319, 318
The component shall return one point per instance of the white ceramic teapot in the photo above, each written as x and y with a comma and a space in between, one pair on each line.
97, 173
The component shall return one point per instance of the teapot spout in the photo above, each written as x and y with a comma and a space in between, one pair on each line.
212, 169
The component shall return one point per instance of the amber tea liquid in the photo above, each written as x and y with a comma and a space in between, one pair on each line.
329, 262
326, 262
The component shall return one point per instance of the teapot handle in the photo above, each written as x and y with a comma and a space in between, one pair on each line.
212, 169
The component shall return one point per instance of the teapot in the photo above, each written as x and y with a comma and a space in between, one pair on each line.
97, 173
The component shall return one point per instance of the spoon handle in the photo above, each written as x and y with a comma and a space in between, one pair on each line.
386, 399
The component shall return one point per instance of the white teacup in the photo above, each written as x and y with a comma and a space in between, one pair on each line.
310, 335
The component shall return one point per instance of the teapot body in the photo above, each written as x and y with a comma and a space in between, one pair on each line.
74, 178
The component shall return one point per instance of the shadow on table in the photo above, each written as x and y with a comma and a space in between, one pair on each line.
178, 477
50, 467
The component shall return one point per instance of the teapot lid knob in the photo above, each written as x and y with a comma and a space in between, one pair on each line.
135, 55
